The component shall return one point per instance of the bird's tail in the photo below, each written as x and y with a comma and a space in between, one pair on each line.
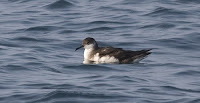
141, 55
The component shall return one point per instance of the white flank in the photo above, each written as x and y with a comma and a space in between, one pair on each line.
105, 59
97, 59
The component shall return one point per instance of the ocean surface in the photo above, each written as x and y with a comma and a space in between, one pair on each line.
38, 63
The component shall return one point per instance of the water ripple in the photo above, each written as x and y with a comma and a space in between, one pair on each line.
12, 67
188, 73
181, 43
180, 89
99, 29
106, 22
72, 94
30, 39
41, 28
60, 4
160, 11
160, 25
188, 1
91, 68
194, 101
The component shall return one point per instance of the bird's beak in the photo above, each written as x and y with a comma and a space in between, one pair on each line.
79, 47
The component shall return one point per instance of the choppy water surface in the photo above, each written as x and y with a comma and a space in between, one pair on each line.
38, 63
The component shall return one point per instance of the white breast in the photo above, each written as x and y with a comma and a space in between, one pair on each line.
87, 53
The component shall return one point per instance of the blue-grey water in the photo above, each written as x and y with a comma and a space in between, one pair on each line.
38, 63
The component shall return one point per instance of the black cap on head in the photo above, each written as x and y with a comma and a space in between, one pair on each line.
86, 41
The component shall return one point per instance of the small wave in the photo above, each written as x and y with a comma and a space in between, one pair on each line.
28, 39
193, 37
126, 79
8, 44
181, 43
13, 0
160, 25
101, 85
91, 77
180, 89
53, 86
41, 28
165, 11
65, 86
110, 8
60, 4
106, 22
188, 73
67, 31
32, 39
12, 67
20, 1
89, 67
188, 1
99, 29
194, 101
58, 94
175, 65
80, 94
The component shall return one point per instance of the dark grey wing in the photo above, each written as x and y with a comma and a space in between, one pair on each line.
118, 53
135, 55
140, 52
124, 56
109, 51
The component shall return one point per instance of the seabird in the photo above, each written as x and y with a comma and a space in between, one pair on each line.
95, 54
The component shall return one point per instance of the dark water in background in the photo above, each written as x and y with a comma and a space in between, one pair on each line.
38, 63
